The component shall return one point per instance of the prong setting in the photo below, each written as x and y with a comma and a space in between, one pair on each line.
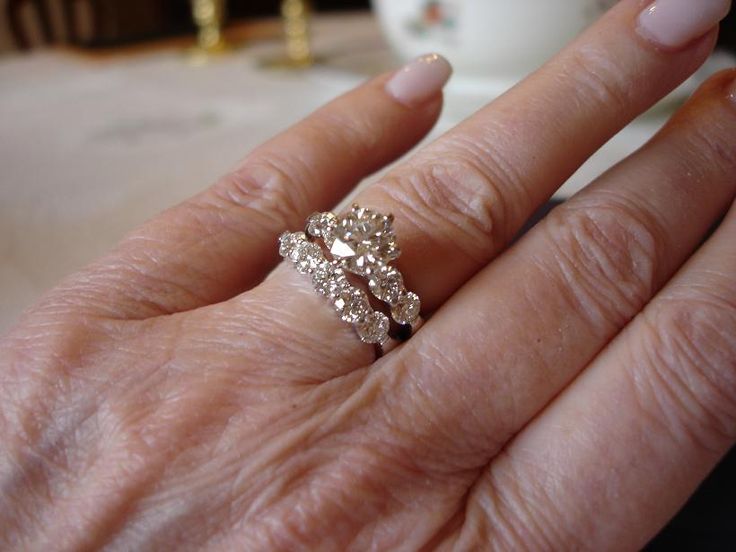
360, 241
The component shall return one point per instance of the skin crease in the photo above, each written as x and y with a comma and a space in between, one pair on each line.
569, 395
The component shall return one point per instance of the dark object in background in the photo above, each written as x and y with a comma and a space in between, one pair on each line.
107, 22
13, 10
117, 22
707, 523
727, 36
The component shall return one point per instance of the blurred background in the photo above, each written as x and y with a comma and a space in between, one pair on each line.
112, 110
99, 23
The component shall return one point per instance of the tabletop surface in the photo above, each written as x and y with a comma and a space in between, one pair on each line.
91, 146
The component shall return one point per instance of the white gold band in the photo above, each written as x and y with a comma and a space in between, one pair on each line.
364, 243
329, 280
361, 242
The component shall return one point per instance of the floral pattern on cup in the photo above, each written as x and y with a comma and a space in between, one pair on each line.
501, 40
436, 19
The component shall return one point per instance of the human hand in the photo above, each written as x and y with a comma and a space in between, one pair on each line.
568, 392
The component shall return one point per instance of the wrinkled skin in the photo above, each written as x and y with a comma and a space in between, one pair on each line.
568, 392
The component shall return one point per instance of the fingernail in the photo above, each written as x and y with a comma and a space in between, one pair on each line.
419, 80
675, 23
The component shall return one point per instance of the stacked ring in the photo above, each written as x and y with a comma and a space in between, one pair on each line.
329, 279
361, 242
364, 243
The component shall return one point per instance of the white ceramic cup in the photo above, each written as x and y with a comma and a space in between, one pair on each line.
490, 39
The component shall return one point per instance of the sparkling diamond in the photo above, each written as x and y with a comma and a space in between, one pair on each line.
329, 280
321, 276
310, 256
407, 308
386, 284
339, 282
345, 229
321, 225
388, 250
341, 249
363, 239
361, 224
314, 226
352, 304
297, 252
373, 328
286, 243
289, 244
365, 224
360, 263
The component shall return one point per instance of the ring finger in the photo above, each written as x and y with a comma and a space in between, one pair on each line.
462, 198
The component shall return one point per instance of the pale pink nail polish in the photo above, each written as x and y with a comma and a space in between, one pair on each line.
675, 23
419, 80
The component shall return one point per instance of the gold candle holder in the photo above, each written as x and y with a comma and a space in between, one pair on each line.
209, 16
295, 15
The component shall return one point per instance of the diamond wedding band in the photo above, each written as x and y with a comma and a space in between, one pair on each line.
350, 302
360, 242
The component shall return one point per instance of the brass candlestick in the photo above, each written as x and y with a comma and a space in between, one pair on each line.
209, 16
295, 15
296, 31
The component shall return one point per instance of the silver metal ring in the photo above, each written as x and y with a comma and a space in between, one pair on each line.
330, 280
363, 242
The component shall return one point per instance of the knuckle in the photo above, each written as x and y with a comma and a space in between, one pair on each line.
513, 514
605, 257
266, 187
340, 493
691, 349
53, 337
597, 78
459, 200
712, 149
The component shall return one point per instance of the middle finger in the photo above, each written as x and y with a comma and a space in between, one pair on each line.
464, 197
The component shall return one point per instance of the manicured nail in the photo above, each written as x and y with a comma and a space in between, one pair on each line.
419, 80
675, 23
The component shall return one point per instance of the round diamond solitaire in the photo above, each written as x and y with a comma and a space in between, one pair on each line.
363, 242
362, 239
